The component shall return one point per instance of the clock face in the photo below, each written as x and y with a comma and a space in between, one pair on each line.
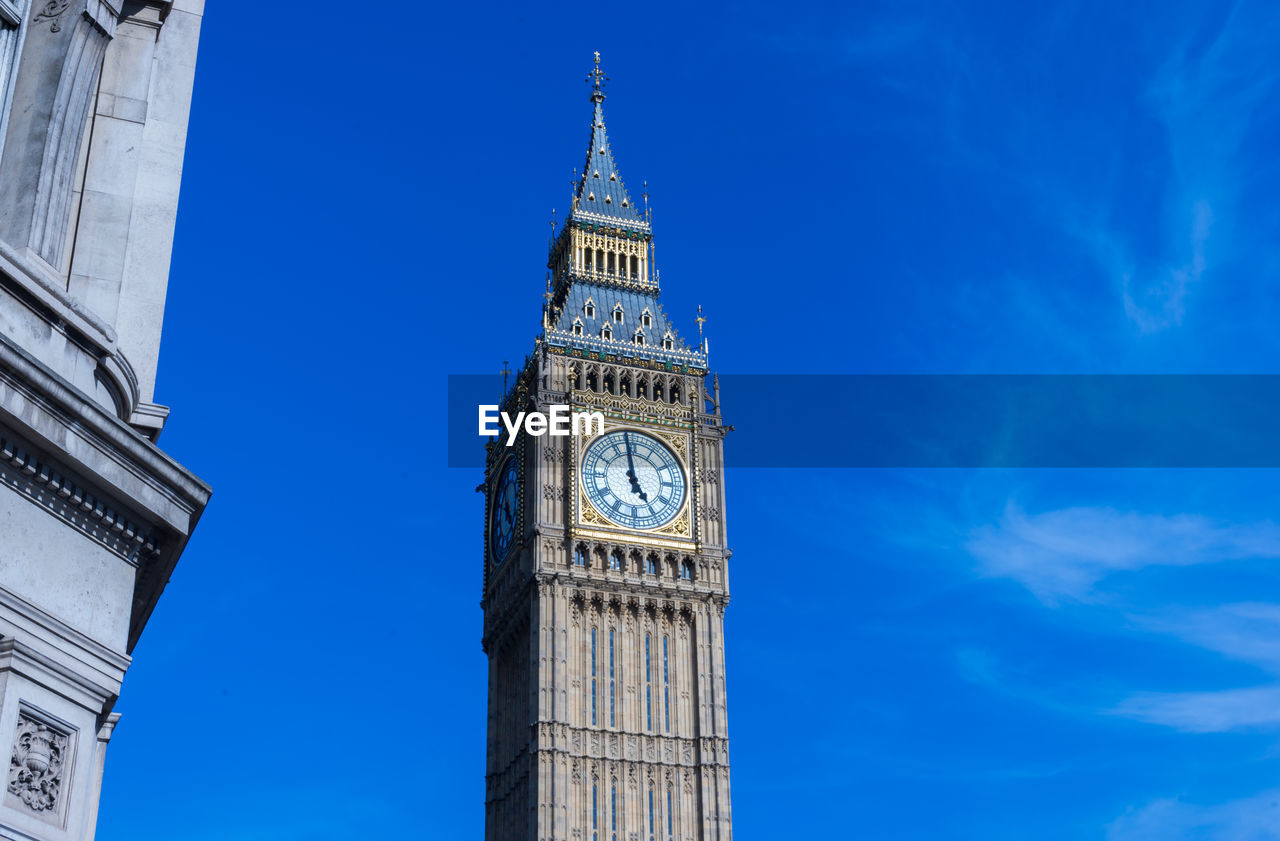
633, 479
502, 522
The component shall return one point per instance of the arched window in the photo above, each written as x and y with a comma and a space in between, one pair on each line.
666, 686
657, 390
608, 384
675, 393
580, 556
626, 385
589, 309
617, 313
606, 333
668, 343
635, 267
590, 260
593, 384
651, 564
611, 260
600, 260
639, 337
615, 559
686, 570
652, 829
642, 388
613, 689
646, 319
648, 683
594, 696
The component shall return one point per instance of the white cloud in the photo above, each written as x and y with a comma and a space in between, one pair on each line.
1206, 712
1065, 553
1254, 818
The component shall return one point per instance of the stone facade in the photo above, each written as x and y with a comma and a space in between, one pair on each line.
607, 709
94, 97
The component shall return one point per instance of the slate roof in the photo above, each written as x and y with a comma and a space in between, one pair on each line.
602, 197
634, 303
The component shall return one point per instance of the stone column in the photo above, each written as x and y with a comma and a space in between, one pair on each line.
55, 85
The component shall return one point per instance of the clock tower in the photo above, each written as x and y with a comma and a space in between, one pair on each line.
606, 562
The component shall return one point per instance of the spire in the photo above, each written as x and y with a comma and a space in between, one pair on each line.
601, 196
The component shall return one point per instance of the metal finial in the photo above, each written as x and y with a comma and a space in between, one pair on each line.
506, 372
597, 79
700, 319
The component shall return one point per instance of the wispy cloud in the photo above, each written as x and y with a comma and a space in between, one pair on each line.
1063, 554
1255, 818
1206, 712
1206, 95
1066, 555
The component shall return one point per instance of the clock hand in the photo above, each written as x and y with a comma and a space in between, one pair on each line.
631, 471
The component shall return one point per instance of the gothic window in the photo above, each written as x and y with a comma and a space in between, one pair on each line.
617, 313
615, 559
668, 342
593, 677
590, 263
600, 260
651, 825
626, 385
666, 686
580, 556
675, 393
642, 388
639, 337
670, 830
657, 390
613, 694
646, 320
577, 327
613, 176
635, 267
606, 333
608, 200
589, 309
686, 570
608, 383
593, 384
611, 260
595, 811
591, 196
595, 174
648, 683
651, 565
613, 810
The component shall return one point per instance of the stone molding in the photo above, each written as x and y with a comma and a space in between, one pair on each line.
44, 483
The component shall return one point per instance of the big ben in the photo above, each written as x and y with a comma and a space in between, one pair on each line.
606, 561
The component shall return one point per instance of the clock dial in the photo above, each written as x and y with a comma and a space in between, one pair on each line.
502, 522
633, 479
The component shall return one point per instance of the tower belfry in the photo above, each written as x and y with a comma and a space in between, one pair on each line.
606, 562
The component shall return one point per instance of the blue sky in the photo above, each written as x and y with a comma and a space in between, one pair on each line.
886, 188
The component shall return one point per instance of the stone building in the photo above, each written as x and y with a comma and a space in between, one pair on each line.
606, 560
94, 97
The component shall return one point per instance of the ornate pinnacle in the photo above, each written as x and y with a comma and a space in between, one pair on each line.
597, 79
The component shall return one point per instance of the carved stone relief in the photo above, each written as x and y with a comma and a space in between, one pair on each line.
36, 766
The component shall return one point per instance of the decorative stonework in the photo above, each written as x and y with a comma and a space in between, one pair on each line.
40, 753
52, 10
44, 484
